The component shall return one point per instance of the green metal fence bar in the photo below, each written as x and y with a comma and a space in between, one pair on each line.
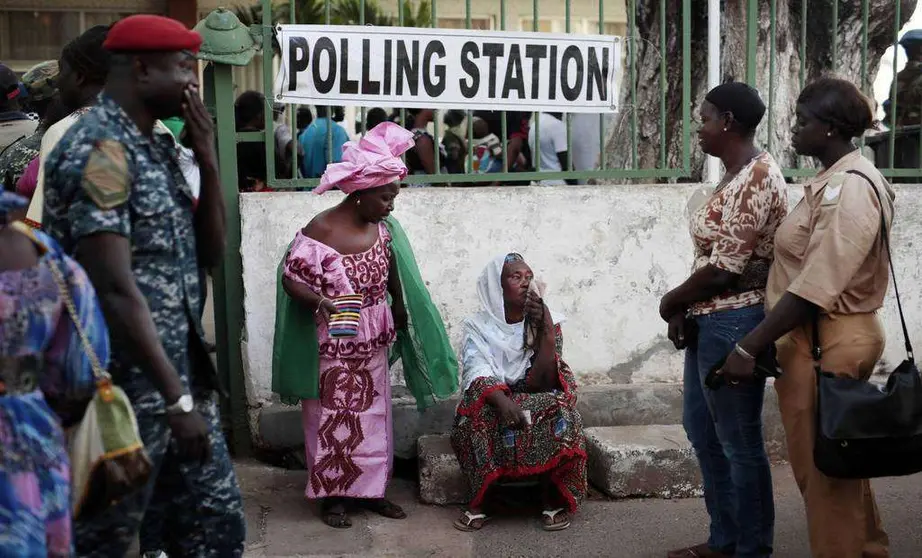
752, 40
802, 76
662, 83
602, 116
362, 22
403, 110
535, 116
438, 114
569, 116
293, 115
328, 18
771, 72
632, 49
454, 179
835, 33
686, 87
505, 131
894, 87
865, 85
268, 54
470, 115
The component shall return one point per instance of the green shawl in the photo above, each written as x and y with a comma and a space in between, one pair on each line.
429, 365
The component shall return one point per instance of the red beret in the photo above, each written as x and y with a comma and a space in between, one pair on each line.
145, 32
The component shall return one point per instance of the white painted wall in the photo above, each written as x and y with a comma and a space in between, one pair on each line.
607, 253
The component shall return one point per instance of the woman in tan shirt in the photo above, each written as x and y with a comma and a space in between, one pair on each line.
829, 258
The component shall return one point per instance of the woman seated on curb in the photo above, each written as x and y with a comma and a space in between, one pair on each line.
517, 417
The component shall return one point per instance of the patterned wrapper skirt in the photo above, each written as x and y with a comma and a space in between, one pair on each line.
553, 445
347, 432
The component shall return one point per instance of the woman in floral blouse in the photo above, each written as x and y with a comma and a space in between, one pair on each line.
722, 300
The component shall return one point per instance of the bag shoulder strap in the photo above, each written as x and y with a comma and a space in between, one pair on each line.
99, 372
817, 351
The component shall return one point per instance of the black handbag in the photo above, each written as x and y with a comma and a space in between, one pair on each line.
865, 430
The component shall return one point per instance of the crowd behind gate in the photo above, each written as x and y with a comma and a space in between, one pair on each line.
112, 216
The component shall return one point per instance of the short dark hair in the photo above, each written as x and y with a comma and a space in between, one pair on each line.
453, 118
740, 99
304, 117
374, 117
840, 104
86, 56
249, 106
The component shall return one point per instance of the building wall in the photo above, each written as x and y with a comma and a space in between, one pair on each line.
32, 31
607, 253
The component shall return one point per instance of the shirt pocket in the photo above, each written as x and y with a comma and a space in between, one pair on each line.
793, 235
153, 208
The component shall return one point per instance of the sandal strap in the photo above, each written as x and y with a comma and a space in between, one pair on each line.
552, 514
472, 517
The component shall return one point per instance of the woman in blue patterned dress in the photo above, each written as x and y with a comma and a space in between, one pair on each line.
45, 382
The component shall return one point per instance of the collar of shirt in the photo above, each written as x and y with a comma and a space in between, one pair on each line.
13, 115
848, 161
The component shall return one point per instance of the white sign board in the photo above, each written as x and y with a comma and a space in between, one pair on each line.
440, 68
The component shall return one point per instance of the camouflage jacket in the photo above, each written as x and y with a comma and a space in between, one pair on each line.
106, 176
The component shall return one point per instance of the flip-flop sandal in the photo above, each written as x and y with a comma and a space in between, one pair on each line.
552, 516
467, 523
384, 508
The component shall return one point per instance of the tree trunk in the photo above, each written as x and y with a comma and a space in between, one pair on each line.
784, 83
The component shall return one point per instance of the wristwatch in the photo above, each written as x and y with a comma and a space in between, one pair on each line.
185, 404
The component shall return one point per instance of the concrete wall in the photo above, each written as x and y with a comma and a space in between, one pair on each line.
607, 253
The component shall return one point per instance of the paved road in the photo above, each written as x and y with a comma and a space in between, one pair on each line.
281, 523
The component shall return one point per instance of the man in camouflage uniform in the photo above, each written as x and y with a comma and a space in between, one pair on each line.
42, 89
115, 196
909, 82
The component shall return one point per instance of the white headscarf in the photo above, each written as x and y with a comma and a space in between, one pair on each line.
491, 347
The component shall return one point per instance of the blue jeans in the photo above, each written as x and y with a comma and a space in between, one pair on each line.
725, 430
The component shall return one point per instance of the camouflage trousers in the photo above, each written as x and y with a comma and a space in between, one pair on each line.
185, 510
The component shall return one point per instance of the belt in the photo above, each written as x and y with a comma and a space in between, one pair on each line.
19, 375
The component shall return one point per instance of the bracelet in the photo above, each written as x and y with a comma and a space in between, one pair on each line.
743, 352
320, 305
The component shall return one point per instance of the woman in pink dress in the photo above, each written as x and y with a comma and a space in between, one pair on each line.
346, 251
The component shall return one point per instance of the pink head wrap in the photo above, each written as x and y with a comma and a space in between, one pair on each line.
372, 162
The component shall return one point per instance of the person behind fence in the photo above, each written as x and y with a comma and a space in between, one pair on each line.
116, 197
722, 300
517, 416
421, 158
45, 383
348, 289
453, 141
318, 152
83, 67
552, 155
250, 116
830, 259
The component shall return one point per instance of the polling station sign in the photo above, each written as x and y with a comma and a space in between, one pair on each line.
440, 68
